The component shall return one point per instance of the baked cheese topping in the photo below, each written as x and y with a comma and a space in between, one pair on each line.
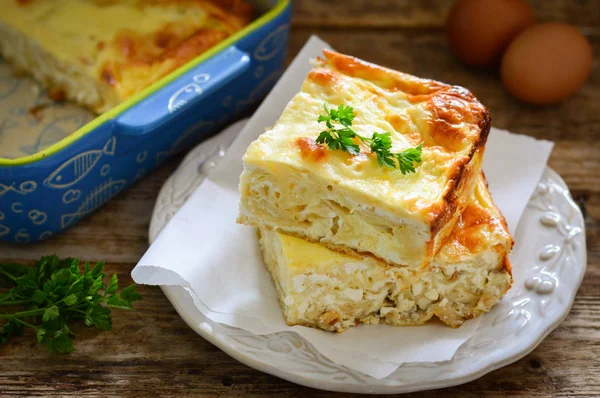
125, 44
448, 120
330, 290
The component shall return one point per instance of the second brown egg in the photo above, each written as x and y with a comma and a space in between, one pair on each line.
546, 63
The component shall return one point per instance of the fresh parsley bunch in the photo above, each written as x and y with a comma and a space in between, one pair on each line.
379, 144
54, 293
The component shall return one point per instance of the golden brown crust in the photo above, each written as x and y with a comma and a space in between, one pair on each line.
453, 193
323, 77
461, 174
169, 45
450, 107
445, 211
311, 150
507, 265
146, 51
383, 77
448, 104
468, 235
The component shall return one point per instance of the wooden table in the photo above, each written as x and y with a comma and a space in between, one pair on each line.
152, 352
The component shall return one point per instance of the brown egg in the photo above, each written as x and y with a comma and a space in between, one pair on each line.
546, 63
479, 30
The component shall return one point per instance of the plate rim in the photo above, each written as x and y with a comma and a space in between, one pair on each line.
170, 293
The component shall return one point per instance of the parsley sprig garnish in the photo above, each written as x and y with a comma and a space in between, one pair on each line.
339, 138
52, 294
379, 144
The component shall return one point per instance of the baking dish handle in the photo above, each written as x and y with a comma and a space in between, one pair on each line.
171, 101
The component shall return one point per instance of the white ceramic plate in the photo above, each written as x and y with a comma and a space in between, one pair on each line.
550, 239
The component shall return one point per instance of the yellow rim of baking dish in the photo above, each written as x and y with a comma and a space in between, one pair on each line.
65, 142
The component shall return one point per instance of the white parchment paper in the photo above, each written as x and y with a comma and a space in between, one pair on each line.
219, 262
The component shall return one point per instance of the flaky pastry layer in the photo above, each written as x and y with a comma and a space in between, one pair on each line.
321, 288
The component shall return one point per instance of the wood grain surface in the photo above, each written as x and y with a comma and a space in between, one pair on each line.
152, 353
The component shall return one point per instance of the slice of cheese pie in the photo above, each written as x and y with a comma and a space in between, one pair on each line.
321, 288
100, 52
349, 202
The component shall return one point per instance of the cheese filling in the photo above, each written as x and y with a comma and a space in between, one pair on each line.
333, 291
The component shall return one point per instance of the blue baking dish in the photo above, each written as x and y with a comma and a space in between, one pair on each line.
51, 190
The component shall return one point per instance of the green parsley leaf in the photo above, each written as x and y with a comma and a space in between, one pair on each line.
70, 300
130, 294
10, 272
50, 313
54, 293
41, 332
125, 299
61, 341
344, 115
324, 118
343, 138
118, 302
100, 317
339, 139
11, 328
93, 284
408, 158
405, 161
97, 271
113, 285
38, 296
